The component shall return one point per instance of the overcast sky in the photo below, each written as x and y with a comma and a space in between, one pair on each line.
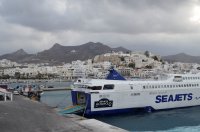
161, 26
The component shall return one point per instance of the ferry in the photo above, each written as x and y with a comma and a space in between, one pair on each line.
116, 95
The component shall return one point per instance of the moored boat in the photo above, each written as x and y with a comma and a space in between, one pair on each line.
117, 95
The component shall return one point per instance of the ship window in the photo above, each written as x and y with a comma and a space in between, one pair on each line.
156, 86
108, 87
95, 87
190, 85
170, 86
153, 86
164, 86
184, 85
197, 85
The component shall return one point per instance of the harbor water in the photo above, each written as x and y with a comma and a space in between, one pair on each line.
175, 120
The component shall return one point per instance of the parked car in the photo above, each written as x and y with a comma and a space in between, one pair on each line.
50, 87
15, 92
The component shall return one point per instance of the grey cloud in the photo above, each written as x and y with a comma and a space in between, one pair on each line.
154, 25
38, 14
130, 16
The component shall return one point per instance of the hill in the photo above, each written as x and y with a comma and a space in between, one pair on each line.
58, 54
182, 57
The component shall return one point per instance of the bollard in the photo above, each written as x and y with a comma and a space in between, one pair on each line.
5, 97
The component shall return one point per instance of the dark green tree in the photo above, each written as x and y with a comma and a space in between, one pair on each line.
132, 65
147, 53
17, 75
122, 58
39, 76
148, 67
155, 58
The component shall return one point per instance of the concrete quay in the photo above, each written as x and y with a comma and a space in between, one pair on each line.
24, 115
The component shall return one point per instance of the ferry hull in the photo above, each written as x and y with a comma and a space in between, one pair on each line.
110, 103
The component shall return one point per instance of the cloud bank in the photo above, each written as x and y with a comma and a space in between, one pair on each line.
163, 27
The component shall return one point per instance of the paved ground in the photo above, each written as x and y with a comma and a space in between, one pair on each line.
23, 115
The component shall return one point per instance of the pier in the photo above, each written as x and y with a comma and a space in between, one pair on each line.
24, 115
56, 89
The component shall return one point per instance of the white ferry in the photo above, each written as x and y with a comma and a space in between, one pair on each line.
116, 95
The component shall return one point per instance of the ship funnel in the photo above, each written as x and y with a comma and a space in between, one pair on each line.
114, 75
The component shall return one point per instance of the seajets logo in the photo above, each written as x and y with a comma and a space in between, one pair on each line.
102, 103
173, 98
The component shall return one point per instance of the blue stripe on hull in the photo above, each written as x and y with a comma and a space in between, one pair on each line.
116, 111
89, 113
129, 111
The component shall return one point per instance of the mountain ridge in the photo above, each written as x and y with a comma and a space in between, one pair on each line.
59, 54
182, 57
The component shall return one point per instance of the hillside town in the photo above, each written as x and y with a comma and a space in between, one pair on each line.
131, 65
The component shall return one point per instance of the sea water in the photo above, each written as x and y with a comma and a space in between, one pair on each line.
176, 120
